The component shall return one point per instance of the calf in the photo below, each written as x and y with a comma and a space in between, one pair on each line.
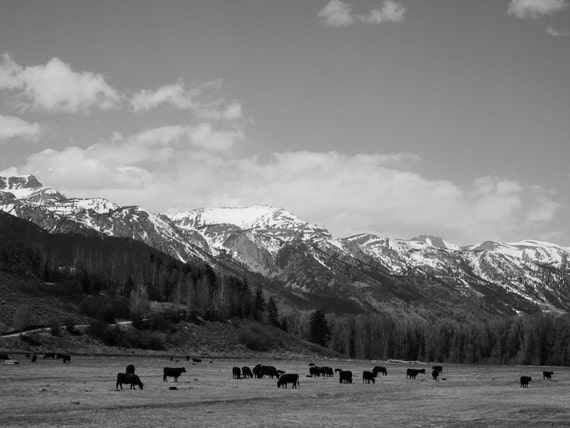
288, 378
130, 369
345, 376
174, 372
261, 371
547, 375
368, 377
524, 381
236, 373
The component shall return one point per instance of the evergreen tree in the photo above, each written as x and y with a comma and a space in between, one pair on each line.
319, 331
272, 312
258, 304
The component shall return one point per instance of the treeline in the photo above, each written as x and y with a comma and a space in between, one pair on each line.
539, 339
91, 265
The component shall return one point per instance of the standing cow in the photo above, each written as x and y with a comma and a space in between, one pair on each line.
368, 377
547, 375
524, 381
380, 370
288, 378
236, 373
345, 376
174, 372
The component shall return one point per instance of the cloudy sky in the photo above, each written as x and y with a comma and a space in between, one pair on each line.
443, 117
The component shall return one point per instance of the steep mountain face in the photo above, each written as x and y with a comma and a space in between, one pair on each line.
303, 262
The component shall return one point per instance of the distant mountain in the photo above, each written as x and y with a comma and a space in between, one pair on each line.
304, 264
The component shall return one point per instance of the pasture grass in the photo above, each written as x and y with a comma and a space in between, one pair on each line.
82, 394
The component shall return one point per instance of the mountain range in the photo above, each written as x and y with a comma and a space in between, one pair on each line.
307, 267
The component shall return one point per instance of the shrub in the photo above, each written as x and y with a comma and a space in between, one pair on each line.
257, 338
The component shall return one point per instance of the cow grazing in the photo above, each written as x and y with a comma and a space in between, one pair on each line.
288, 378
66, 359
434, 374
326, 371
314, 371
174, 372
345, 376
128, 378
246, 372
49, 356
524, 381
236, 373
130, 369
547, 375
368, 377
412, 373
379, 369
261, 371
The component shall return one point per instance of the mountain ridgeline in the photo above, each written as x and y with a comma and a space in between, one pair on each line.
299, 262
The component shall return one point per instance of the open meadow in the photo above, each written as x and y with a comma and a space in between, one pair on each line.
82, 394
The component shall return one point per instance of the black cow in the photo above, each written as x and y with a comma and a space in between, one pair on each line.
524, 381
130, 369
4, 357
345, 376
172, 372
236, 373
547, 375
246, 372
34, 358
129, 378
288, 378
435, 374
311, 364
379, 369
439, 368
314, 371
261, 371
326, 371
368, 377
196, 360
66, 359
59, 356
49, 356
187, 357
412, 373
337, 370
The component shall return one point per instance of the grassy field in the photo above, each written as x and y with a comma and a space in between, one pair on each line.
82, 394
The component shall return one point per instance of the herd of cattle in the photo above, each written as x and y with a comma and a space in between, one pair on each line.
261, 371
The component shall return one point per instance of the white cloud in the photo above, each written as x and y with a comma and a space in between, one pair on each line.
533, 9
14, 127
55, 87
556, 33
169, 168
339, 14
390, 11
203, 100
336, 13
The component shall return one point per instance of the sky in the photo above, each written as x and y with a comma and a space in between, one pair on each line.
398, 118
